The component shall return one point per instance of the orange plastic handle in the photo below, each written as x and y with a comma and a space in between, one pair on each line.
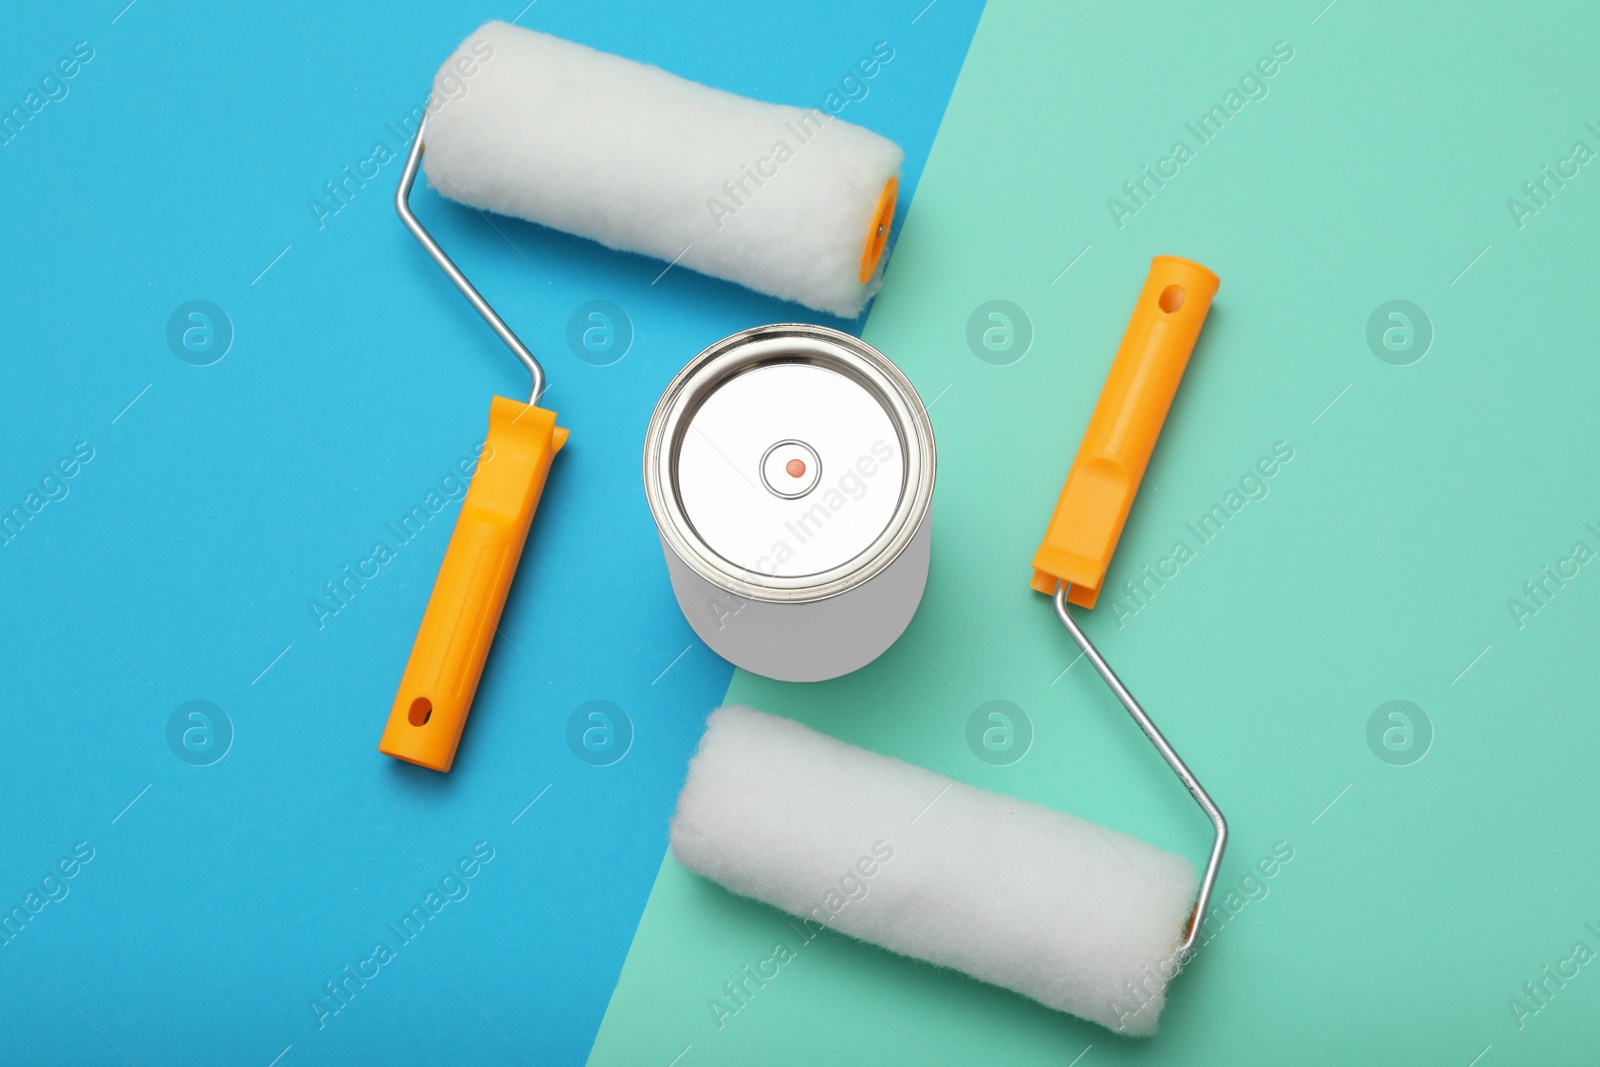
463, 613
1122, 432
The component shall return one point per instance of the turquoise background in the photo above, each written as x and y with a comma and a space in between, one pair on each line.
219, 500
1431, 878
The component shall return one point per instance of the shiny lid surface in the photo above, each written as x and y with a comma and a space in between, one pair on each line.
789, 463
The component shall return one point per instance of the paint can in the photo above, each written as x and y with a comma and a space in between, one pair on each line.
790, 469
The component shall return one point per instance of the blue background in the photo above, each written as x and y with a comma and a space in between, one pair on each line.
180, 563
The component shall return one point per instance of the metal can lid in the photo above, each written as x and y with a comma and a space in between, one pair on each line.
789, 463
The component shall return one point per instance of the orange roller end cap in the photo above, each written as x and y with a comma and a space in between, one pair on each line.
1122, 432
878, 229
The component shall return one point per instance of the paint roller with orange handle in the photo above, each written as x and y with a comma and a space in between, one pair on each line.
1078, 917
532, 139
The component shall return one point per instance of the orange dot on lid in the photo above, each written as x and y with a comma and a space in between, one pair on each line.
796, 468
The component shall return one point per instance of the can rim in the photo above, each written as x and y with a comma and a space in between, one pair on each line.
767, 346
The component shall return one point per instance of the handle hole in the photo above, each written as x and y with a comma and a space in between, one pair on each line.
421, 711
1172, 298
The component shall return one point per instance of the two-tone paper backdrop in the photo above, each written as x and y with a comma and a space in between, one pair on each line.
1434, 888
190, 485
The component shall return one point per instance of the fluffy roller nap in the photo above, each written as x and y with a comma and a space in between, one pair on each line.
1080, 918
779, 199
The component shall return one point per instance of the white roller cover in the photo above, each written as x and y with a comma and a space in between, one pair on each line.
1080, 918
779, 199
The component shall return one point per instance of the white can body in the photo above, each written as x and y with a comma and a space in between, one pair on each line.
790, 473
807, 642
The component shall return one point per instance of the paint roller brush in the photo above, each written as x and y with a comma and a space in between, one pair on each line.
1078, 917
788, 201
